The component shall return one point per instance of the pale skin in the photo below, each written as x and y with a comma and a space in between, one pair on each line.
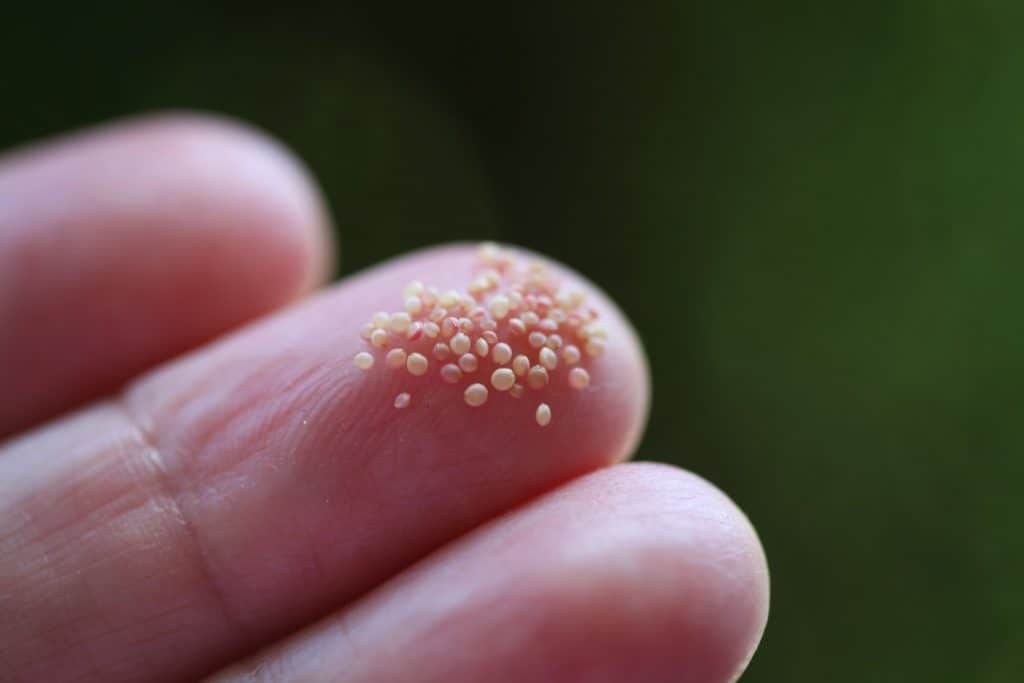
196, 480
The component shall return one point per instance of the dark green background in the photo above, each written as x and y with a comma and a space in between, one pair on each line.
811, 210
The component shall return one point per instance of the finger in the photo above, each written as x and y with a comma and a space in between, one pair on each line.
129, 244
636, 573
252, 486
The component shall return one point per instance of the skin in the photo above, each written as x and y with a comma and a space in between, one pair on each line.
229, 493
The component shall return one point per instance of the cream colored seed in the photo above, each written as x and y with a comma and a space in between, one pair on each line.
395, 358
571, 354
488, 325
468, 362
547, 325
537, 378
520, 365
499, 307
363, 360
490, 337
466, 325
548, 358
481, 347
537, 339
366, 330
413, 305
475, 395
379, 338
402, 400
543, 414
431, 330
502, 379
460, 343
381, 319
595, 347
429, 297
441, 351
502, 353
449, 326
437, 315
450, 373
516, 326
554, 342
414, 288
417, 364
449, 299
516, 391
579, 378
400, 323
530, 318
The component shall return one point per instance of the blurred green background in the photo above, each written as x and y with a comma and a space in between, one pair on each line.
810, 210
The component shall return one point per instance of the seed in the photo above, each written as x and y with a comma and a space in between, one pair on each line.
520, 365
381, 319
530, 318
571, 354
415, 331
502, 379
413, 305
481, 347
490, 337
537, 339
402, 400
548, 358
468, 362
516, 391
554, 342
459, 343
537, 378
595, 347
502, 353
449, 326
499, 307
448, 299
365, 331
363, 360
475, 395
395, 358
379, 338
416, 364
431, 330
516, 326
450, 373
400, 322
579, 378
543, 414
441, 351
414, 288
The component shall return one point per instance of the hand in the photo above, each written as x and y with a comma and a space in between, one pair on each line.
255, 495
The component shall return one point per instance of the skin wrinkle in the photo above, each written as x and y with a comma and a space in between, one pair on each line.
165, 481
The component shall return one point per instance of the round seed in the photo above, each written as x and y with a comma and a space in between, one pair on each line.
475, 395
481, 347
450, 373
395, 358
502, 353
543, 414
579, 378
516, 391
441, 351
537, 339
402, 400
363, 360
400, 322
413, 305
595, 347
499, 307
460, 343
381, 319
537, 378
571, 354
468, 362
416, 364
502, 379
548, 358
379, 338
520, 365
